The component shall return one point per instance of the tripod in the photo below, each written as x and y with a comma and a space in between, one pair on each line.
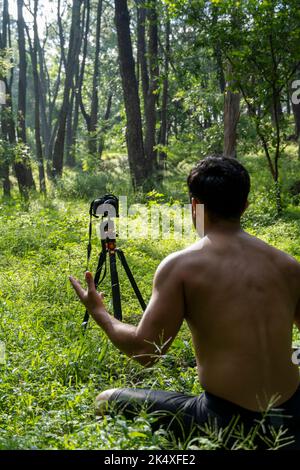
109, 248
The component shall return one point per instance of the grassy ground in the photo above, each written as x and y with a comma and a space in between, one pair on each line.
52, 372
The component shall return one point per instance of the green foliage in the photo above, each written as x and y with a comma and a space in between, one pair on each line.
111, 174
5, 62
256, 45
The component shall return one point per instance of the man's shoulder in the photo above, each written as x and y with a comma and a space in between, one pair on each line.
170, 268
278, 256
178, 260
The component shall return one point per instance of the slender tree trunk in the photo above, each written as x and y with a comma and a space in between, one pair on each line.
220, 70
69, 134
134, 133
104, 128
73, 52
52, 123
95, 100
288, 100
22, 164
72, 152
75, 129
276, 111
4, 176
61, 35
231, 117
141, 49
218, 54
151, 103
21, 129
45, 124
163, 133
296, 112
4, 164
147, 16
73, 114
86, 30
37, 94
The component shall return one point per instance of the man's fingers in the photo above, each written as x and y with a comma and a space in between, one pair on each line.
77, 287
90, 281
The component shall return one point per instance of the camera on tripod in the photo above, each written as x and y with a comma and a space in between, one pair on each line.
98, 206
107, 207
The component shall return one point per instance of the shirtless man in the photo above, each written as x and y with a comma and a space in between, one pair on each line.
240, 298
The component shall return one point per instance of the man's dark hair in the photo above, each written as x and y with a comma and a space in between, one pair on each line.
222, 185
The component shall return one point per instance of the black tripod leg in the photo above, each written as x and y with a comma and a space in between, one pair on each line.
131, 279
101, 261
115, 286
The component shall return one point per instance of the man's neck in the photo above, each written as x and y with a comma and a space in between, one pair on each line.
222, 227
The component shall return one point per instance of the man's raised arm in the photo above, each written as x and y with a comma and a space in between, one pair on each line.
159, 324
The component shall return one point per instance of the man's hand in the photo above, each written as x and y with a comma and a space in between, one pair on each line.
159, 324
90, 298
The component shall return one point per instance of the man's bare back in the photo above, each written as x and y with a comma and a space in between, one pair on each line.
241, 297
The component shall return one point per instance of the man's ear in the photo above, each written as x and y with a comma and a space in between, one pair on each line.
246, 206
194, 202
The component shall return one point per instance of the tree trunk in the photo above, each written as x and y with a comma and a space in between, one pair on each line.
4, 176
149, 75
72, 151
150, 109
73, 52
163, 133
231, 117
296, 112
22, 164
21, 129
95, 100
134, 133
104, 128
142, 50
69, 134
86, 30
72, 160
220, 71
4, 164
37, 94
276, 111
61, 35
43, 87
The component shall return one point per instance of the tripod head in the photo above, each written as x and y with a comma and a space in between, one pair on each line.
105, 206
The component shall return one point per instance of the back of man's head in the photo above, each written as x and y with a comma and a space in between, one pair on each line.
222, 185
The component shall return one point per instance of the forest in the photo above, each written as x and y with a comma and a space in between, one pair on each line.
124, 97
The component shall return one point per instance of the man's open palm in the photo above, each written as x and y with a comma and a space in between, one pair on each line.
90, 298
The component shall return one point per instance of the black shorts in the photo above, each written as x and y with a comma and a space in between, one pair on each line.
185, 415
